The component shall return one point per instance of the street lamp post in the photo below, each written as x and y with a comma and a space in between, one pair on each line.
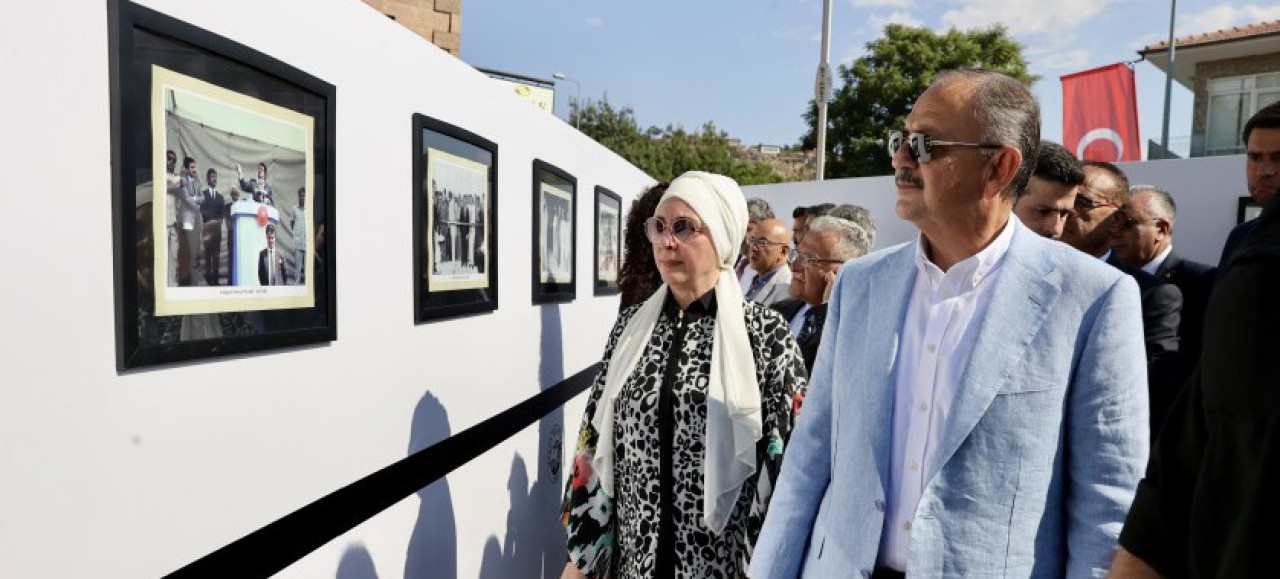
822, 90
577, 94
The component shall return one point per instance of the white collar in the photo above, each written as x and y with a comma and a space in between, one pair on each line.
969, 272
1155, 264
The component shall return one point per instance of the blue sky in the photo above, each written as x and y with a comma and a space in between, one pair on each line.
748, 65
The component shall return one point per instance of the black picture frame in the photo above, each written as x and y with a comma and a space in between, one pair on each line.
608, 242
555, 193
1246, 209
166, 70
455, 266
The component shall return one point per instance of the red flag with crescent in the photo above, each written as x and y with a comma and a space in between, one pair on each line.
1100, 114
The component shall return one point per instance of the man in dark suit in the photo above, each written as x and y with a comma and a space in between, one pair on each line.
270, 262
1088, 228
213, 207
1142, 237
1262, 172
828, 243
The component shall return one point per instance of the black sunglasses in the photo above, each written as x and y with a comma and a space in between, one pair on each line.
920, 146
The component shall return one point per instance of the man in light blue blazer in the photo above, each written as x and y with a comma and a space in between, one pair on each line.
978, 405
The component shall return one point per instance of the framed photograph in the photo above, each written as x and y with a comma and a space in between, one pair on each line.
455, 184
608, 241
222, 191
555, 236
1246, 209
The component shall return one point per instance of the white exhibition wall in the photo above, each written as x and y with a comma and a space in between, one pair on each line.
135, 474
1206, 190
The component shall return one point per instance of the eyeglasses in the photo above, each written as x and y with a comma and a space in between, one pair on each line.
1126, 223
920, 146
1083, 203
764, 241
683, 229
801, 259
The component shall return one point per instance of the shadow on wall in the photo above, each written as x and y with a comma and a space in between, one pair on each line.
433, 546
534, 545
356, 563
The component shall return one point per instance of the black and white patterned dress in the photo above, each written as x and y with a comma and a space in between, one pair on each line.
653, 526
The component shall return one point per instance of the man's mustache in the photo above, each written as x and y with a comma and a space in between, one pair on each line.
906, 177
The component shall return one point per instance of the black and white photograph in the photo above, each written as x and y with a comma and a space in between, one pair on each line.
554, 234
608, 246
222, 193
455, 212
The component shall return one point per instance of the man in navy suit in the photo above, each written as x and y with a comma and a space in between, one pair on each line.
978, 404
829, 243
1262, 172
1142, 238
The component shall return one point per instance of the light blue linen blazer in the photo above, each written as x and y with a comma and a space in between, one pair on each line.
1041, 454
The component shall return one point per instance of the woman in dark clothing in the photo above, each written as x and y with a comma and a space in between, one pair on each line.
639, 277
685, 428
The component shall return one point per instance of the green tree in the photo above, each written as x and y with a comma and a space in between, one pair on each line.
665, 153
878, 89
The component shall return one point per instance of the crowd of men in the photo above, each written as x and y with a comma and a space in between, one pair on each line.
198, 214
458, 231
982, 406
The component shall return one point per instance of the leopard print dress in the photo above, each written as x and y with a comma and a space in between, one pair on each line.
618, 537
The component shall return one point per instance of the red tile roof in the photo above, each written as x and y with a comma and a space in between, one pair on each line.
1233, 33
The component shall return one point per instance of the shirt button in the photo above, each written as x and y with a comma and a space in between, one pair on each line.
914, 467
906, 526
924, 407
932, 348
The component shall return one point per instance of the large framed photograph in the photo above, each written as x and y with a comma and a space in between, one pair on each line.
222, 189
555, 235
608, 246
455, 182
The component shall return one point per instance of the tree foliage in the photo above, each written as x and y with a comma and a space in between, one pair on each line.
879, 88
665, 153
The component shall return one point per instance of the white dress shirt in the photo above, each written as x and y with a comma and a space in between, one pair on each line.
944, 313
797, 321
1155, 264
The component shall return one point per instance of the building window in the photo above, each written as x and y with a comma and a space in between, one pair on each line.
1232, 100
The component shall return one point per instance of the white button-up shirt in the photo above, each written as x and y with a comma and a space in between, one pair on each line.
944, 312
1155, 264
797, 321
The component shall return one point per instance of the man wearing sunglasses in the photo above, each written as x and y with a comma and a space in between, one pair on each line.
768, 254
974, 409
1142, 237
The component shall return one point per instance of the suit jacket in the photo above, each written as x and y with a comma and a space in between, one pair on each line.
1043, 446
1161, 320
809, 348
1196, 282
778, 287
1237, 236
262, 268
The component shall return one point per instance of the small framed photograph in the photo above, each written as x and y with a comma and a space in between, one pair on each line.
222, 184
1246, 209
455, 182
608, 241
555, 235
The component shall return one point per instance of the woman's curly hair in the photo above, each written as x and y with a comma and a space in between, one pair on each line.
639, 277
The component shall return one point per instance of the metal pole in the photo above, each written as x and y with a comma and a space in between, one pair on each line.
1168, 84
822, 89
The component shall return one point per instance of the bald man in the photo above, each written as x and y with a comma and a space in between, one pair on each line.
769, 247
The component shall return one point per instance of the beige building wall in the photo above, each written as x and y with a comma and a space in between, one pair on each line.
438, 21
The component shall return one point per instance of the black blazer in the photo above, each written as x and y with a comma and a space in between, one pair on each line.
262, 268
1196, 281
1162, 305
809, 348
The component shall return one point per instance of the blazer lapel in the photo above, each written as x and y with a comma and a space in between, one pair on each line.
1025, 291
888, 292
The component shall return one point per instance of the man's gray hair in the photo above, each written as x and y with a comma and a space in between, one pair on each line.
1162, 204
758, 210
852, 240
860, 215
1008, 114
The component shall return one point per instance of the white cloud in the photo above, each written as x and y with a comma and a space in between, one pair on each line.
1068, 61
1023, 17
878, 23
1220, 17
884, 3
595, 22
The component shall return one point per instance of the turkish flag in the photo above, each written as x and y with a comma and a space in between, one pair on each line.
1100, 114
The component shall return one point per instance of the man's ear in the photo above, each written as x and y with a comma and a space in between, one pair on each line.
1001, 169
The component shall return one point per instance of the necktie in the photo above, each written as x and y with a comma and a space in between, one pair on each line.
810, 325
756, 284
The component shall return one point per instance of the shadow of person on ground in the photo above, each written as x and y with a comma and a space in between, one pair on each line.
433, 546
356, 563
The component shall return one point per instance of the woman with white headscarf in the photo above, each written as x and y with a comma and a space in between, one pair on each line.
684, 431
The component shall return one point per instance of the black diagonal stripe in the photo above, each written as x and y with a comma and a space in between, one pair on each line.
270, 549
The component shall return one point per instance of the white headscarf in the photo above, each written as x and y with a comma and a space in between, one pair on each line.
733, 394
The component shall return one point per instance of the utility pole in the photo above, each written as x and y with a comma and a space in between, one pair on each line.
822, 89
